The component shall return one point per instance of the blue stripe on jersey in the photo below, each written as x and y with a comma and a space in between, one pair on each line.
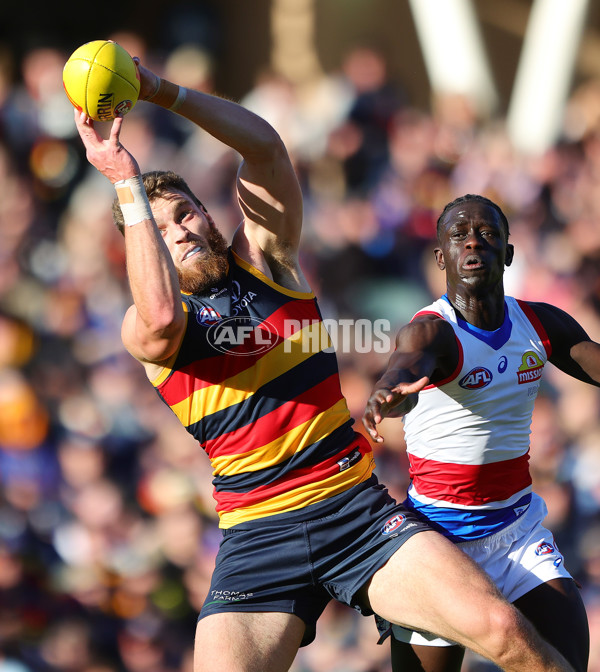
465, 524
311, 456
269, 397
495, 339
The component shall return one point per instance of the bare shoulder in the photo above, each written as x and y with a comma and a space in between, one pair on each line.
557, 323
427, 329
430, 338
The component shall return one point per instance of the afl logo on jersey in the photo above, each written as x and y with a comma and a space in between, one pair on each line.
544, 548
243, 336
207, 316
392, 525
476, 378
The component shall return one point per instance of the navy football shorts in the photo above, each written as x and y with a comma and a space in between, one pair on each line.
296, 562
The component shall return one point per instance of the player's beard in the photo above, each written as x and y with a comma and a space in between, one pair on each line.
210, 270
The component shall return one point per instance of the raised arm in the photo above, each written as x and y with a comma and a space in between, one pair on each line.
425, 351
269, 196
153, 327
268, 190
573, 351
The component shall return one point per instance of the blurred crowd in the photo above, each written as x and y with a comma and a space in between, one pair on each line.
107, 525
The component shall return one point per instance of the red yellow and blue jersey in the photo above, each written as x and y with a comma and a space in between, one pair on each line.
255, 381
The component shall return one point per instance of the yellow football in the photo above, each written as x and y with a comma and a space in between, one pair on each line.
100, 78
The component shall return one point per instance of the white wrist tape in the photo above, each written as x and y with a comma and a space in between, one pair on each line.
133, 200
181, 96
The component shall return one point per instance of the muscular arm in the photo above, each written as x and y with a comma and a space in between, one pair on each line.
426, 350
269, 196
268, 190
573, 351
153, 326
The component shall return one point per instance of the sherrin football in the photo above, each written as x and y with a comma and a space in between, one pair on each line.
100, 78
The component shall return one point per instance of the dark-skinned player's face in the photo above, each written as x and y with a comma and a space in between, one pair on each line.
473, 249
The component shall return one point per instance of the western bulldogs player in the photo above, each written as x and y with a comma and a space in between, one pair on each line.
476, 358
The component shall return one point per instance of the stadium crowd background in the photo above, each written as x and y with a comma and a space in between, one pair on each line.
107, 525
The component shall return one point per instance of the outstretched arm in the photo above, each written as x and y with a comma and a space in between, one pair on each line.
573, 351
425, 350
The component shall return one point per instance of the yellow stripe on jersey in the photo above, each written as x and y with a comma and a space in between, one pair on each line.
310, 493
284, 446
263, 278
292, 351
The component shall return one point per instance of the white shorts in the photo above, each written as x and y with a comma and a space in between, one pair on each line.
518, 558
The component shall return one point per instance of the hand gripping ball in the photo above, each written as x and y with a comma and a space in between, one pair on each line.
100, 78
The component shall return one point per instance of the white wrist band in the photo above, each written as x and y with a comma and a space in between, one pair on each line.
133, 200
181, 95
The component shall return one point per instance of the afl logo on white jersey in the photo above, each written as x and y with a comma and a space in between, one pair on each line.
544, 548
476, 378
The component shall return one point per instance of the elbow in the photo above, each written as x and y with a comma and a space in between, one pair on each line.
164, 323
160, 340
268, 146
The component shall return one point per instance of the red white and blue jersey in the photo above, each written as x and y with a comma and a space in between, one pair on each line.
468, 436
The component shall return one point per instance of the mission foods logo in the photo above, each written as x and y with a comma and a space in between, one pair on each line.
242, 335
530, 369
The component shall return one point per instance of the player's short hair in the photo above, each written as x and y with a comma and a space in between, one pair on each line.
473, 197
158, 183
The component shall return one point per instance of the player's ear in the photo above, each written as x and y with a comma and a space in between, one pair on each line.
510, 254
439, 258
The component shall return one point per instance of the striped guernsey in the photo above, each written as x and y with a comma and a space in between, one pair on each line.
255, 381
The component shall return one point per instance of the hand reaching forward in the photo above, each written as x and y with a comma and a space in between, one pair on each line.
106, 154
391, 402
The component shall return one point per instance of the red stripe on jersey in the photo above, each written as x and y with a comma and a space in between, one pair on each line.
286, 321
230, 501
537, 325
279, 421
470, 484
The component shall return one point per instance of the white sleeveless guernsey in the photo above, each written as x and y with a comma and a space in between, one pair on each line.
468, 436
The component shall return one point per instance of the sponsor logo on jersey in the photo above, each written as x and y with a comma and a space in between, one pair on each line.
216, 292
242, 335
544, 548
392, 525
476, 378
240, 301
349, 460
520, 510
229, 595
530, 369
207, 316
